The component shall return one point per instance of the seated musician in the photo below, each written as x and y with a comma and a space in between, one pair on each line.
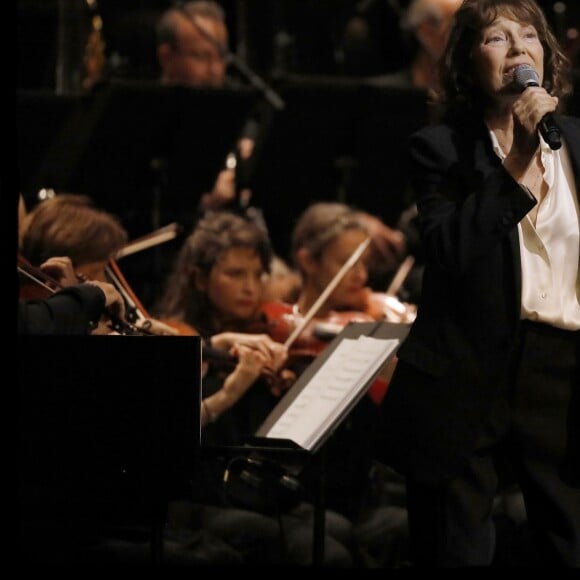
71, 306
325, 236
70, 225
192, 44
216, 286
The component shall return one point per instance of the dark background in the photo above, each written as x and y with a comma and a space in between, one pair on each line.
299, 36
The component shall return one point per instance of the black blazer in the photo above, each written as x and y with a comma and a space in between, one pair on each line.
458, 348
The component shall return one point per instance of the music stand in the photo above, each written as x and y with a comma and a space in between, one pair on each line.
264, 442
129, 137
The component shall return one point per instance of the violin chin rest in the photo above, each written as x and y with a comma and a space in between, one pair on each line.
327, 330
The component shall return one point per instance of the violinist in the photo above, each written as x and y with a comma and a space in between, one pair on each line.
325, 237
216, 286
69, 307
70, 225
216, 283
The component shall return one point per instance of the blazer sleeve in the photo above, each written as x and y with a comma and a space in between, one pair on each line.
466, 201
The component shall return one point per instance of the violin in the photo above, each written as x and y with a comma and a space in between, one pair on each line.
34, 283
388, 308
282, 319
136, 313
306, 336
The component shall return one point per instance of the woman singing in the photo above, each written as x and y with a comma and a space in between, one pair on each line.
491, 362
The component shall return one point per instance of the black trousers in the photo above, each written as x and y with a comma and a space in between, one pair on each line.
535, 425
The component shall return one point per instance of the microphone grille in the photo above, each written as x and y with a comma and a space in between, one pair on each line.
526, 76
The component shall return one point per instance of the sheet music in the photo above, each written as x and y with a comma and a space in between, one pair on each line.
338, 381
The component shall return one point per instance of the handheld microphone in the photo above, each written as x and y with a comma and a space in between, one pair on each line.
525, 76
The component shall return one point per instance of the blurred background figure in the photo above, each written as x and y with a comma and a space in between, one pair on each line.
429, 22
192, 49
192, 43
277, 38
69, 225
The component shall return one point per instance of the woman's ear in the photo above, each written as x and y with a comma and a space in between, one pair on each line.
305, 261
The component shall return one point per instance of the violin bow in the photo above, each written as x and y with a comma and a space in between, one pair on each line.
33, 277
164, 234
400, 276
327, 291
118, 280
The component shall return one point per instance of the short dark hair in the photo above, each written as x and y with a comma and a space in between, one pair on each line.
166, 29
70, 225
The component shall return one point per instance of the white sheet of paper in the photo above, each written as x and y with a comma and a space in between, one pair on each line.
336, 383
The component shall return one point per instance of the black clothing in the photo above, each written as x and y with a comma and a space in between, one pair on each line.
73, 310
470, 365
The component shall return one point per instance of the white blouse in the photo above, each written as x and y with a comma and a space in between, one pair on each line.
550, 251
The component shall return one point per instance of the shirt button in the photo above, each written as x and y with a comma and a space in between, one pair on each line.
543, 295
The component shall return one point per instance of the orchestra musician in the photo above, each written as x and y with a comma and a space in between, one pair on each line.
70, 225
91, 237
192, 43
324, 237
185, 53
216, 286
58, 301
